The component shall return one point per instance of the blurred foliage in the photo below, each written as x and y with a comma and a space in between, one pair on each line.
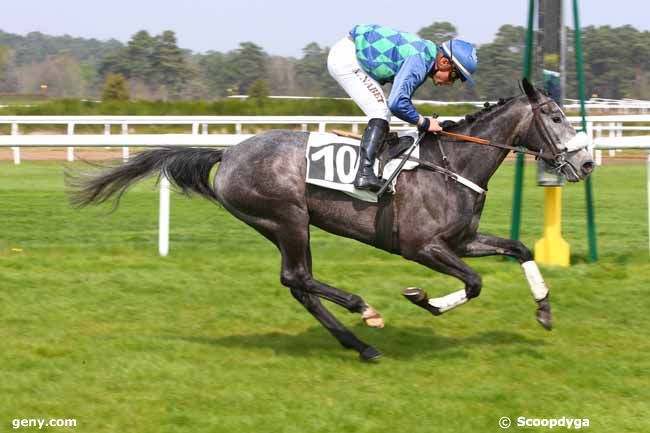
115, 88
438, 32
616, 63
259, 90
222, 107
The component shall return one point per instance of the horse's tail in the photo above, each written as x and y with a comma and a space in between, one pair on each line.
187, 168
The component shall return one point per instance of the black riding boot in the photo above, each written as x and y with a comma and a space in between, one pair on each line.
371, 141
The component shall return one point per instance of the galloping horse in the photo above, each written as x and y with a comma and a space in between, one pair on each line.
262, 182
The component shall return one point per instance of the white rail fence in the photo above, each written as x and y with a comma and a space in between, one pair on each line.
606, 133
626, 106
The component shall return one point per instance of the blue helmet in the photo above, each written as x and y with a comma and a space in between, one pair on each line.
463, 55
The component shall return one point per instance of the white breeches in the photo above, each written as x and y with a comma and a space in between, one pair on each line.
364, 90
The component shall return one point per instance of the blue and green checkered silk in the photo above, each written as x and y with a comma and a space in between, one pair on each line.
381, 51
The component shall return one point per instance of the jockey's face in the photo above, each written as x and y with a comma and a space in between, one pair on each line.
443, 75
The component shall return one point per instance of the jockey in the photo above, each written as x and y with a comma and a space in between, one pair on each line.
372, 55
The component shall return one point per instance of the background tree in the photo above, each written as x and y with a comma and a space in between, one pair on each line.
616, 61
115, 88
4, 60
61, 73
220, 73
281, 73
35, 47
154, 65
168, 64
259, 92
310, 70
259, 89
249, 60
139, 57
8, 78
312, 75
438, 32
500, 63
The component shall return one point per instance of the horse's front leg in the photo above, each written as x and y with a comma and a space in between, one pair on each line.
438, 256
486, 245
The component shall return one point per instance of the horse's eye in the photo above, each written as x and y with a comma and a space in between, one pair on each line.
557, 119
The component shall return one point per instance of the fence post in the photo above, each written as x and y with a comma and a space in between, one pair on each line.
163, 218
648, 188
321, 126
204, 129
613, 133
70, 148
16, 149
195, 128
125, 150
107, 131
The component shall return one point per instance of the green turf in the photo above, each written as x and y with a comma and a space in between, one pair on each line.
95, 326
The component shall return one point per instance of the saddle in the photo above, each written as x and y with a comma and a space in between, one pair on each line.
393, 147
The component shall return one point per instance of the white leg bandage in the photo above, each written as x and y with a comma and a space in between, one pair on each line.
450, 301
535, 281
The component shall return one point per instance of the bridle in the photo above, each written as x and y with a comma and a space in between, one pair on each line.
557, 158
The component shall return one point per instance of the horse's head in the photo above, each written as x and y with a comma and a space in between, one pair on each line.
549, 132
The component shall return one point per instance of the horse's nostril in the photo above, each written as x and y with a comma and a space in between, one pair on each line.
588, 167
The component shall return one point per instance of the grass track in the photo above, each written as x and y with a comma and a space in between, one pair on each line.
95, 326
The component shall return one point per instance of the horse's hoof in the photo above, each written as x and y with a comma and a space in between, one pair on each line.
544, 318
420, 298
415, 295
370, 354
372, 318
544, 314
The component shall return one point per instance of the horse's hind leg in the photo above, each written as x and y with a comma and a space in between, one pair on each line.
485, 245
336, 328
296, 274
287, 226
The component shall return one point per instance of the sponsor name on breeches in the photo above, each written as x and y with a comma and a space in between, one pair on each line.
370, 85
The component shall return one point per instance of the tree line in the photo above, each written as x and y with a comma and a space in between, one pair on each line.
616, 61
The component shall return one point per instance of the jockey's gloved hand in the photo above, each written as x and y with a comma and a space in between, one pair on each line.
428, 124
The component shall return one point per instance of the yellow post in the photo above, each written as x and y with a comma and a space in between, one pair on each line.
552, 249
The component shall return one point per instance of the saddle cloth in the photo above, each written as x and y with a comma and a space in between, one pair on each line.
332, 163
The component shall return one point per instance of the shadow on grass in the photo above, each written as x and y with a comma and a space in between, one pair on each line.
400, 343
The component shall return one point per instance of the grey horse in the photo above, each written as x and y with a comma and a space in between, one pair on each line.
261, 181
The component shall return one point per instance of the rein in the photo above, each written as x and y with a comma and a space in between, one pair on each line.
557, 158
489, 143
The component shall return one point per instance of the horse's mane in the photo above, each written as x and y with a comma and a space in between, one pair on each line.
474, 117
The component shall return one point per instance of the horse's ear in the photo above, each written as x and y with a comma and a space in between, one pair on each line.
529, 89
